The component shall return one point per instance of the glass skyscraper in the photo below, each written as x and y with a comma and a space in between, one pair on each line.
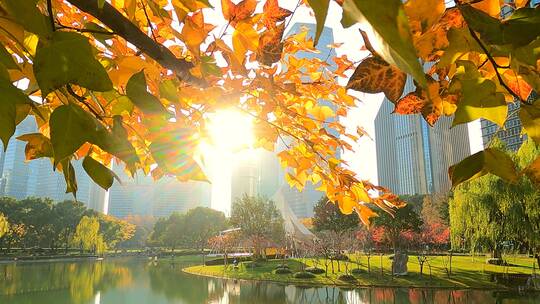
20, 179
412, 157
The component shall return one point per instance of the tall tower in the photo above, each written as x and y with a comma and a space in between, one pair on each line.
511, 133
412, 157
15, 172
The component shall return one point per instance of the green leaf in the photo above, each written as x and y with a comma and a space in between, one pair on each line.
479, 98
148, 103
460, 42
99, 173
490, 160
210, 67
10, 98
70, 127
520, 29
168, 90
320, 8
69, 59
7, 59
69, 176
530, 118
392, 36
116, 142
28, 15
101, 3
101, 37
37, 146
528, 54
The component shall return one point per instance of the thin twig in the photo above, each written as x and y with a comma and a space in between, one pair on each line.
51, 16
85, 30
83, 101
148, 21
495, 66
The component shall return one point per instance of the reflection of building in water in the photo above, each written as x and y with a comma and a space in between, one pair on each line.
141, 195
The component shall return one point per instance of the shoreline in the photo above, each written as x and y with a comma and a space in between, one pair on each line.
341, 284
51, 260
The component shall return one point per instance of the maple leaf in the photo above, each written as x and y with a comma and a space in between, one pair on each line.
195, 32
273, 13
235, 13
374, 75
270, 45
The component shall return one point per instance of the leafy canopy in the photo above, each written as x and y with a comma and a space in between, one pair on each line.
135, 81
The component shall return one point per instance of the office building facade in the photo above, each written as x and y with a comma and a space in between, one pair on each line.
412, 157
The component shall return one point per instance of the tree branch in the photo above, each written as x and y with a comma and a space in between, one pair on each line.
495, 66
119, 24
51, 16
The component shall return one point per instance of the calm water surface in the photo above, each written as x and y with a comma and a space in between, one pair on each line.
135, 281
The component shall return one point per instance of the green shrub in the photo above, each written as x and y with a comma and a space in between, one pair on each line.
251, 264
496, 261
282, 271
304, 275
315, 270
358, 271
347, 278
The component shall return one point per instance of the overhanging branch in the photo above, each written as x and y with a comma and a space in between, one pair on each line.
124, 28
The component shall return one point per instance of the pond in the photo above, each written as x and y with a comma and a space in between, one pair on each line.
134, 281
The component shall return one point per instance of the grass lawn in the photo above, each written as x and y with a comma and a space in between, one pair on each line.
467, 272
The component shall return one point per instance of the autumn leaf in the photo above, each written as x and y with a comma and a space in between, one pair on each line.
374, 75
235, 13
37, 146
245, 38
195, 32
424, 12
273, 13
270, 45
391, 31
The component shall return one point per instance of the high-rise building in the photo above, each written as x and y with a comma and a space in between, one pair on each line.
15, 172
412, 157
141, 195
20, 179
510, 135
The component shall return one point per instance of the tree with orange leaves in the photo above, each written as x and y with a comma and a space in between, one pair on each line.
134, 81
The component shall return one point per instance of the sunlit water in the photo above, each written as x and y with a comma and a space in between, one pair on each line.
134, 281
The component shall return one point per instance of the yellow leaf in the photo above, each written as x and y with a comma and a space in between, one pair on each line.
244, 38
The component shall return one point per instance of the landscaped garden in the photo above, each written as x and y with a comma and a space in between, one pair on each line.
467, 272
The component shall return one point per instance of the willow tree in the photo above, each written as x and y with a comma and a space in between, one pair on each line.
136, 81
489, 210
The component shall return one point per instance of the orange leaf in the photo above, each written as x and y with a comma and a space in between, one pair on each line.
270, 45
374, 75
235, 13
273, 13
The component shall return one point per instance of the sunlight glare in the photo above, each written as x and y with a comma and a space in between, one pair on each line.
231, 130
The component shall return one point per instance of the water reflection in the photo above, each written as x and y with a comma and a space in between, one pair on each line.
137, 281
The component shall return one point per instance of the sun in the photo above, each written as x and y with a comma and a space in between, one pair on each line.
231, 140
230, 130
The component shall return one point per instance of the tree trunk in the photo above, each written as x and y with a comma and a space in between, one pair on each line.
496, 253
